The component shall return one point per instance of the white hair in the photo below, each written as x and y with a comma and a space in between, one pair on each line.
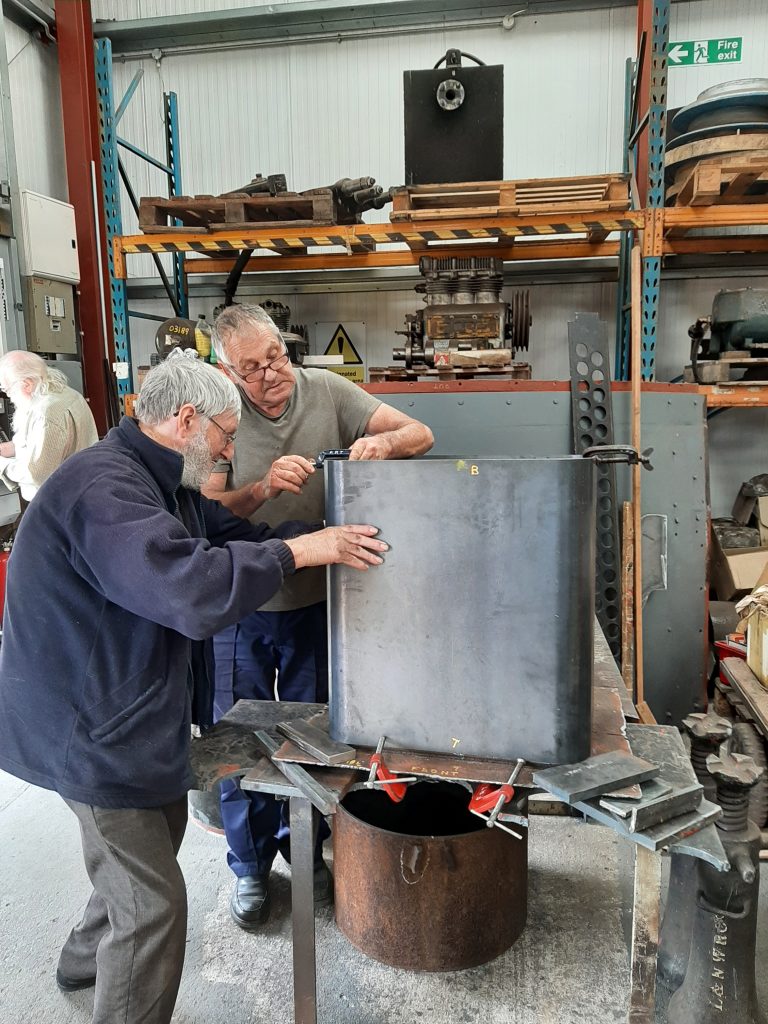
19, 366
234, 319
179, 381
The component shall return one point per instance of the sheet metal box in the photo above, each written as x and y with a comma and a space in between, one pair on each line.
475, 636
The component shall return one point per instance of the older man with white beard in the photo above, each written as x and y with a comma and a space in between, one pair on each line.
51, 421
120, 569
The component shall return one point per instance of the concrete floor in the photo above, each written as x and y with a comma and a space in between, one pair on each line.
570, 966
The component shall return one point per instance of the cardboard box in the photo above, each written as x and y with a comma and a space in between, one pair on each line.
735, 569
130, 401
757, 644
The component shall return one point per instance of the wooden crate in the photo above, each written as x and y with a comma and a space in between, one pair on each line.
532, 197
721, 181
236, 211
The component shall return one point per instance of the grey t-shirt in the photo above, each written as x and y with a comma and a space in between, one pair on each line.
324, 411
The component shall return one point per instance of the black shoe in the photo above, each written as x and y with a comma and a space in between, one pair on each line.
73, 984
250, 901
322, 883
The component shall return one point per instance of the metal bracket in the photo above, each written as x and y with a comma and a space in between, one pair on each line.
610, 453
331, 453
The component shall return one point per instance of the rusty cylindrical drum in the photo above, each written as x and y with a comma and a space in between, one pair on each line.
424, 884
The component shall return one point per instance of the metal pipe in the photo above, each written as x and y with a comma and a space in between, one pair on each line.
144, 156
315, 37
127, 97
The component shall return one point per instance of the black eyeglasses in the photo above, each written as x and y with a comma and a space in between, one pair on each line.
230, 437
255, 375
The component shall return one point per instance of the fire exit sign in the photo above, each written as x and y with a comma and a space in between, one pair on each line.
705, 51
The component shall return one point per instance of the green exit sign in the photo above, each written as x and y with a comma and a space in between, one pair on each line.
705, 51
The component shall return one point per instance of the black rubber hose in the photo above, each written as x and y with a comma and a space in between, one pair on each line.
233, 278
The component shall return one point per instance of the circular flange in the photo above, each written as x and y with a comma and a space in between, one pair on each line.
450, 94
749, 103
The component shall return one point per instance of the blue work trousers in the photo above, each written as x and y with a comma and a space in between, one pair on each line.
267, 656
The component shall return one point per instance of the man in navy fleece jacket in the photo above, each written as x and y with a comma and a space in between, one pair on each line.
119, 570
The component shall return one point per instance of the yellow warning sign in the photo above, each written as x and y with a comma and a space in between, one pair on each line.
341, 345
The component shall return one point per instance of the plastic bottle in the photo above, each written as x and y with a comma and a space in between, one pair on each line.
203, 338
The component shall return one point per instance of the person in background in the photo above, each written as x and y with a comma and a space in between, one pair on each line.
290, 414
119, 573
51, 421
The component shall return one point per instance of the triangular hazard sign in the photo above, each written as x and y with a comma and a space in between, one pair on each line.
341, 345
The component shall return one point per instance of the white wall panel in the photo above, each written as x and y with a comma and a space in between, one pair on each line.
37, 121
712, 19
128, 10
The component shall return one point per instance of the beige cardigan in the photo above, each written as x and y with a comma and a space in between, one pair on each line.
51, 428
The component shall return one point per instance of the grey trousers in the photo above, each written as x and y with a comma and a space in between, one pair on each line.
132, 936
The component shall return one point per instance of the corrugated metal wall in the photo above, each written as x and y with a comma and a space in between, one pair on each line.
33, 69
127, 10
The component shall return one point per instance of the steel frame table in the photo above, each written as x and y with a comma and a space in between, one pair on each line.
230, 749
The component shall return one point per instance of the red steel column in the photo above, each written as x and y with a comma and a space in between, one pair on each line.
74, 31
644, 24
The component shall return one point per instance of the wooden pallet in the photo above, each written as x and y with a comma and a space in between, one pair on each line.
532, 197
386, 374
236, 211
721, 181
727, 369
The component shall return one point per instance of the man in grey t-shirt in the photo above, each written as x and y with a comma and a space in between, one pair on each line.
288, 416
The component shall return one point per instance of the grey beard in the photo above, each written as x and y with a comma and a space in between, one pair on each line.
197, 463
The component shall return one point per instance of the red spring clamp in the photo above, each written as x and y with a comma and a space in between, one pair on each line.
492, 798
394, 785
487, 796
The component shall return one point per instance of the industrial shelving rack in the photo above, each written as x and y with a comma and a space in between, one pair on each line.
660, 231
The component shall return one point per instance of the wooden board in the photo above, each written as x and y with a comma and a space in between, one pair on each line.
754, 695
723, 145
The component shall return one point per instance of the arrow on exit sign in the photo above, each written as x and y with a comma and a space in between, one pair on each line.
705, 51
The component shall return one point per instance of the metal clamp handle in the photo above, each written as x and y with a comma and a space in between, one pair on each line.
619, 453
331, 453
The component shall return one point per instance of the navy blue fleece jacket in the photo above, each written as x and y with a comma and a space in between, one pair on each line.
115, 573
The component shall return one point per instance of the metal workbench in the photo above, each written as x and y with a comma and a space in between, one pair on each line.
230, 749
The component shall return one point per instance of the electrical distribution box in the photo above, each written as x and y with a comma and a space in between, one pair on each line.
49, 308
49, 239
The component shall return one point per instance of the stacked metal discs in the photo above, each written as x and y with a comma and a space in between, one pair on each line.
726, 125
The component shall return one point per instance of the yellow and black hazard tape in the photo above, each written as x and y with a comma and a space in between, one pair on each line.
372, 235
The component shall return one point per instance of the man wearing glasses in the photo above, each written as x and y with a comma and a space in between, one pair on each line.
289, 415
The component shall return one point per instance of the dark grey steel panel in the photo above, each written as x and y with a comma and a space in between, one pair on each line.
498, 425
475, 637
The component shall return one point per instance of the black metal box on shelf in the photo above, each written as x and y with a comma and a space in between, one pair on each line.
454, 122
475, 636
